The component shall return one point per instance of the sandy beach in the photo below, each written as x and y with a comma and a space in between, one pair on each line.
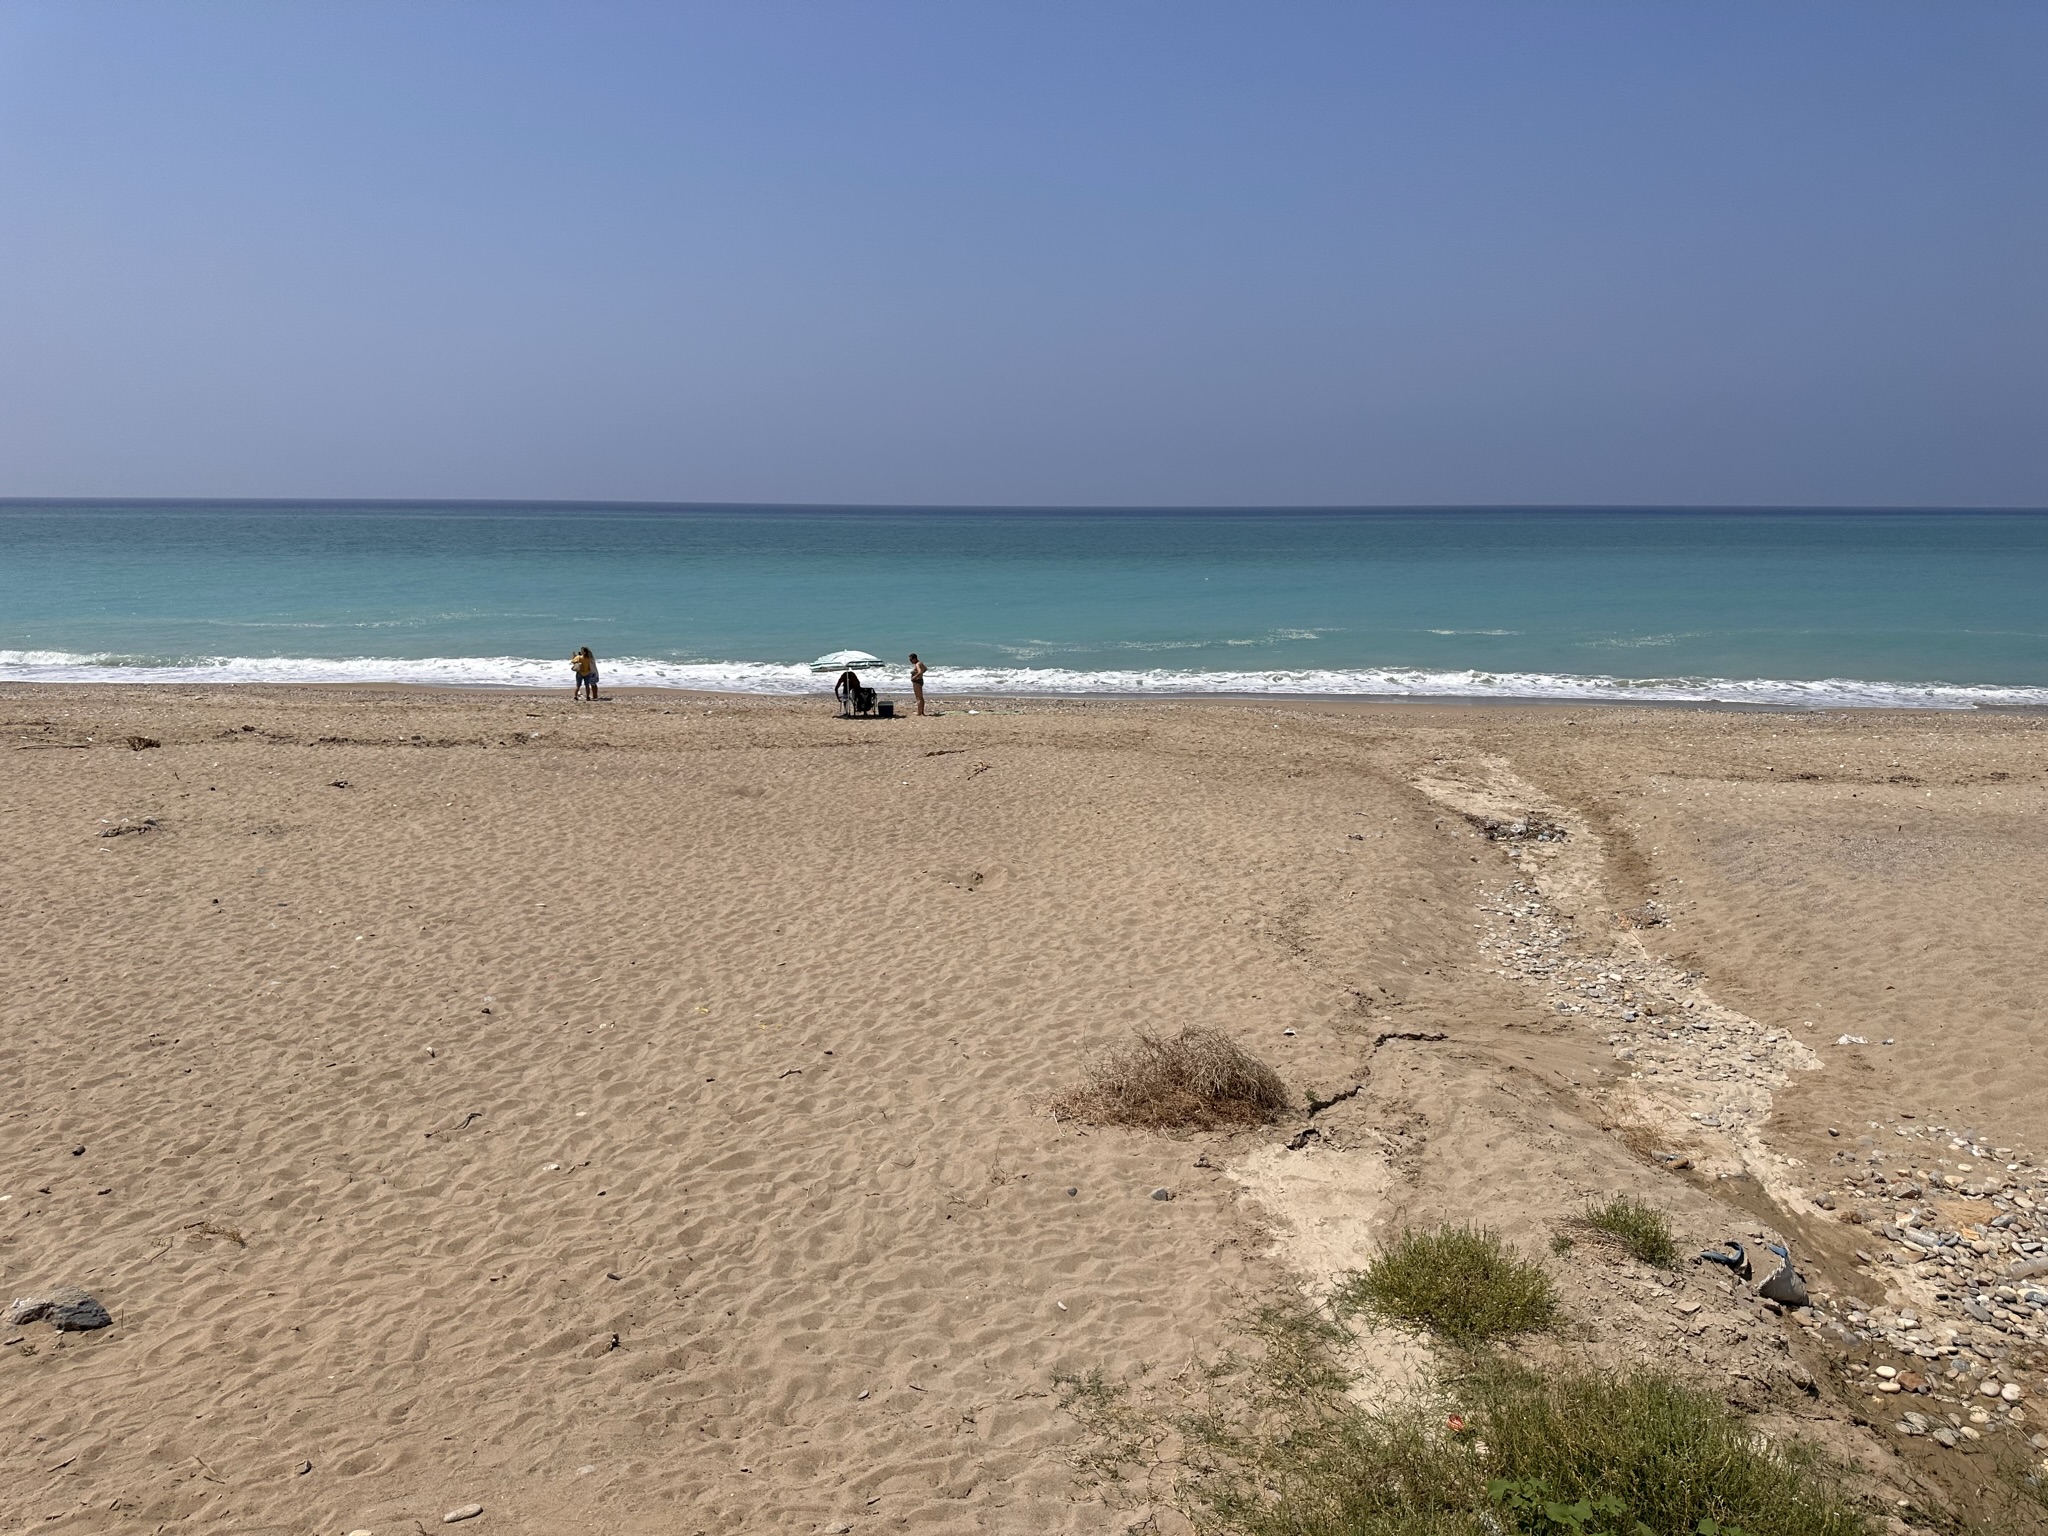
633, 1117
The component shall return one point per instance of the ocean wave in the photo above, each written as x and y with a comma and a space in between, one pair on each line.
1631, 642
765, 677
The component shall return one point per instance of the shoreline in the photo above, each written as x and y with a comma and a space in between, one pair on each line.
483, 691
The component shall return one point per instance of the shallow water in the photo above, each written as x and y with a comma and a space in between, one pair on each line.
1941, 608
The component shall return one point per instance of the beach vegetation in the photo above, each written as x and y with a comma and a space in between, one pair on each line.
1120, 1434
1464, 1284
2025, 1486
1642, 1230
1285, 1446
2011, 1493
1199, 1079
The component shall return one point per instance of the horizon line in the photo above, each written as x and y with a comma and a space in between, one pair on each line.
1109, 508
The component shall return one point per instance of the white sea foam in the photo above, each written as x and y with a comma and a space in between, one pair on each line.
763, 677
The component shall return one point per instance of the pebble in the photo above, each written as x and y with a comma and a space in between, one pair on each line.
65, 1308
1162, 1193
1945, 1437
2011, 1392
1989, 1389
1968, 1268
1887, 1371
462, 1512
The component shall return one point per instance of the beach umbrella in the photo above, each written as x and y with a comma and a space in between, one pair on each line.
839, 661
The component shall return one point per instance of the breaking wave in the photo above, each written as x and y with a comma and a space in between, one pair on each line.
763, 677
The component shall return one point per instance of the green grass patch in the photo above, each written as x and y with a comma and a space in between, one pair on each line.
1640, 1228
1502, 1450
1461, 1283
1662, 1456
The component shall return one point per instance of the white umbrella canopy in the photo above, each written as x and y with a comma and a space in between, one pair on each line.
839, 661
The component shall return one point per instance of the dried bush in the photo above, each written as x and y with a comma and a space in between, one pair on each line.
1197, 1080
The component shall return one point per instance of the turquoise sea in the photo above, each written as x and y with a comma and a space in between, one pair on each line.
1788, 607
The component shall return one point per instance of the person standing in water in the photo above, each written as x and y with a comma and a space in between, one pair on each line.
584, 665
917, 680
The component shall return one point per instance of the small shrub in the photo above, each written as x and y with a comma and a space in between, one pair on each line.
1527, 1502
1198, 1080
1644, 1451
1529, 1505
1462, 1283
1639, 1227
1584, 1453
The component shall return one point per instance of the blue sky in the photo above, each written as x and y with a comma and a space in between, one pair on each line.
1090, 253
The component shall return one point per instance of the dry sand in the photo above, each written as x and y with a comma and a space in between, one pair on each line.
631, 1117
